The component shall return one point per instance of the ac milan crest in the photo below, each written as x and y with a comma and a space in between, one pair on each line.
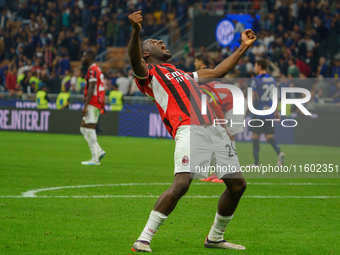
185, 160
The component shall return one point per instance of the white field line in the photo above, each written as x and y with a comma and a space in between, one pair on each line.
32, 193
153, 196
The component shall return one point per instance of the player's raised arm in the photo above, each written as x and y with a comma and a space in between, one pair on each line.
248, 38
134, 49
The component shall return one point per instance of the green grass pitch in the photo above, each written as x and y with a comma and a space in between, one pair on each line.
82, 221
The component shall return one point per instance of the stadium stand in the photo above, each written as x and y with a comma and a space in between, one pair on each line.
300, 38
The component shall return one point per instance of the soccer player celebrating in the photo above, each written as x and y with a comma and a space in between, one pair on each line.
94, 100
263, 85
172, 90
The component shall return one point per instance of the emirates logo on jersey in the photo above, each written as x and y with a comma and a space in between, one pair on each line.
185, 160
177, 76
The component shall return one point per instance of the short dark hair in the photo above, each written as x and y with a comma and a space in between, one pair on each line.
91, 54
203, 59
263, 63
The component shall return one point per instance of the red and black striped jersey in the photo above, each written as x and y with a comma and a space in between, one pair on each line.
176, 94
95, 74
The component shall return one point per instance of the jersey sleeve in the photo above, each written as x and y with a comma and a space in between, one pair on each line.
144, 83
194, 75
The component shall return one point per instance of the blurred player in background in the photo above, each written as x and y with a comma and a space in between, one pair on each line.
176, 94
94, 100
223, 110
263, 85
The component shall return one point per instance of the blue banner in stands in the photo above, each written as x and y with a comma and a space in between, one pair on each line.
141, 121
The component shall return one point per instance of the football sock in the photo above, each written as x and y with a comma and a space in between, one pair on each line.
256, 150
218, 228
92, 140
83, 130
275, 145
99, 149
156, 219
233, 144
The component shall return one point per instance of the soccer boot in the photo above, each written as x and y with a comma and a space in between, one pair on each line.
91, 162
141, 246
222, 245
101, 154
280, 159
216, 180
253, 165
209, 179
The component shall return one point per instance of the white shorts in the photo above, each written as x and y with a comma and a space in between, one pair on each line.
92, 115
201, 150
237, 122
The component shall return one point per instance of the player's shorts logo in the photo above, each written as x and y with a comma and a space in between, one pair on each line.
185, 160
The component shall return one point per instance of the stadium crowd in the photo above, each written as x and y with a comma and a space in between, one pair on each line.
39, 39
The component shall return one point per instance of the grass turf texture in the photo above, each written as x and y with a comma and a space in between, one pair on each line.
110, 225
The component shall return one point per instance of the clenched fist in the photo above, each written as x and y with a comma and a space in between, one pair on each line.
248, 37
136, 20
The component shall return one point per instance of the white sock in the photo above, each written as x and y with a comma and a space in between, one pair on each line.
233, 144
92, 140
99, 149
156, 219
218, 228
83, 131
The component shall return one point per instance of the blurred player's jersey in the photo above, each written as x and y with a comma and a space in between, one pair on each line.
95, 74
224, 94
222, 105
263, 85
177, 96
